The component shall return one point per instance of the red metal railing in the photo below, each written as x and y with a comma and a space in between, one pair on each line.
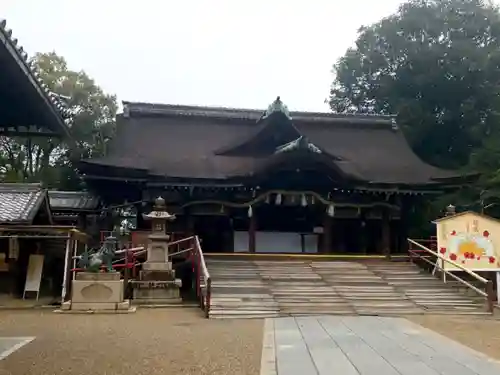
187, 246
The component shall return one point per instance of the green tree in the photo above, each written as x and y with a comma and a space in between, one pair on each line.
436, 64
48, 159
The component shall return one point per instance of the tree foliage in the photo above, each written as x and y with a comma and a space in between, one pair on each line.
436, 64
48, 159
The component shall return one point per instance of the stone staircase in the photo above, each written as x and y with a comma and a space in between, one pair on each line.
428, 292
261, 288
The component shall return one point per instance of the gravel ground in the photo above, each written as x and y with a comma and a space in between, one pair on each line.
151, 341
479, 333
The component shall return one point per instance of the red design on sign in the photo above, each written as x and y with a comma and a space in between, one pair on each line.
442, 250
486, 233
492, 260
454, 232
453, 256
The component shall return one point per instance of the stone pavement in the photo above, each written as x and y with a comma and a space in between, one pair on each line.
365, 346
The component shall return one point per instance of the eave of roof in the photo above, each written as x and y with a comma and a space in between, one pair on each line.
60, 116
73, 201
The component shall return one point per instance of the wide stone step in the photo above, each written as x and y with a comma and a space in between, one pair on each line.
245, 308
303, 312
312, 303
240, 298
256, 289
391, 312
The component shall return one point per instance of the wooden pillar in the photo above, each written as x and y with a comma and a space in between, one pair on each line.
82, 221
386, 233
252, 228
362, 232
139, 219
70, 245
190, 224
327, 234
404, 223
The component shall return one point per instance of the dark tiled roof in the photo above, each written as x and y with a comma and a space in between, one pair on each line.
19, 203
72, 201
56, 109
207, 143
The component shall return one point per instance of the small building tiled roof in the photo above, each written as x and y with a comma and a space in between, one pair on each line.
42, 107
72, 201
19, 203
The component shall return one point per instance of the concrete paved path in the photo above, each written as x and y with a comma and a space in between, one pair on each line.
9, 345
365, 346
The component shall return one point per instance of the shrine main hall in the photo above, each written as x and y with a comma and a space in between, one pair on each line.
271, 181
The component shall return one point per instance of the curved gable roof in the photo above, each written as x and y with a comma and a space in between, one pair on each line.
215, 143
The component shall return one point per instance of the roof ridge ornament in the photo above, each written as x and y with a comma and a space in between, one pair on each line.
297, 144
277, 106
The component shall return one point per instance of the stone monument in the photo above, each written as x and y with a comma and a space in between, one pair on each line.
94, 290
157, 284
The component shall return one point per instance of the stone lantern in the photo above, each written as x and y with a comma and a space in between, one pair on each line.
157, 283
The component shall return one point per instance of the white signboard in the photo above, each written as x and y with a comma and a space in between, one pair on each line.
34, 275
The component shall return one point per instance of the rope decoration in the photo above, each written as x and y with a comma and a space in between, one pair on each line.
265, 197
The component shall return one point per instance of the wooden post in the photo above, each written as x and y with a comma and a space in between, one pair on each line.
190, 224
252, 228
386, 234
490, 297
498, 287
403, 225
126, 273
327, 234
82, 221
67, 265
362, 232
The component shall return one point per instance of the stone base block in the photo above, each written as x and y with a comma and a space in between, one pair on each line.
93, 306
157, 266
156, 284
145, 295
159, 303
98, 276
157, 275
96, 306
97, 291
66, 305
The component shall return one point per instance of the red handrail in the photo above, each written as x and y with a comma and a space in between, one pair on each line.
202, 277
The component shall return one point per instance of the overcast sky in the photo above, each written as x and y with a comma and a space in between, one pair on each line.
234, 53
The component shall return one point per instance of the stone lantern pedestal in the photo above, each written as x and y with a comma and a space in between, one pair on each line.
157, 284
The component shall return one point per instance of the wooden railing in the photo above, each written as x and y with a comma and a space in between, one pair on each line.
439, 261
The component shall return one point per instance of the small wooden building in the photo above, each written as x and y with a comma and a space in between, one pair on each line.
268, 181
